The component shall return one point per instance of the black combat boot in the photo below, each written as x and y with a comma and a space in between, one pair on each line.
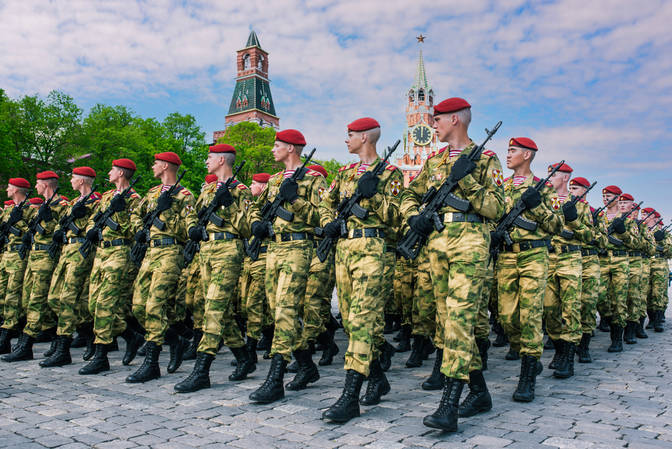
347, 406
512, 354
584, 349
61, 355
652, 317
435, 380
605, 323
377, 387
530, 368
52, 347
629, 333
616, 338
190, 353
478, 400
404, 338
307, 372
133, 343
326, 339
565, 368
385, 358
22, 351
99, 363
79, 341
416, 357
86, 331
6, 340
293, 367
178, 344
428, 349
251, 348
244, 366
501, 340
46, 335
557, 344
640, 332
445, 417
143, 350
659, 318
483, 345
149, 370
266, 339
389, 324
272, 389
199, 377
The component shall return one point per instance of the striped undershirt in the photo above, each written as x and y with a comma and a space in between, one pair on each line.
362, 168
518, 180
454, 153
165, 188
611, 216
562, 198
288, 173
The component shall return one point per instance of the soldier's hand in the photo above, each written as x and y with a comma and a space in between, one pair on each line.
59, 236
421, 224
142, 236
569, 211
332, 229
659, 235
118, 203
259, 230
618, 225
79, 210
223, 197
368, 184
27, 239
289, 190
164, 202
14, 216
93, 236
497, 238
197, 233
45, 214
531, 198
462, 167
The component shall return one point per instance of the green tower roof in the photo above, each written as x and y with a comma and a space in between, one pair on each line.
252, 93
252, 40
421, 76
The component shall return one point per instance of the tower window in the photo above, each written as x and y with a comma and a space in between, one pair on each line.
421, 95
246, 61
260, 63
411, 95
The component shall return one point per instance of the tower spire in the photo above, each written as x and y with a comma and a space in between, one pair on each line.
421, 75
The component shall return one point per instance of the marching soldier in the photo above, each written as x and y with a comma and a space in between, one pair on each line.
458, 255
649, 250
659, 277
360, 262
522, 268
289, 255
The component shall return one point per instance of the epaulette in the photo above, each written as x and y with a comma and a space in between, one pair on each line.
507, 179
592, 210
96, 195
109, 191
345, 167
583, 200
276, 174
241, 186
184, 191
489, 153
155, 188
313, 173
390, 167
65, 198
536, 179
436, 153
548, 184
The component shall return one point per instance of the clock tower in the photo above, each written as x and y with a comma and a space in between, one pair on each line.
419, 139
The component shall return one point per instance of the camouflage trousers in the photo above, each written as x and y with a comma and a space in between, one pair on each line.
425, 318
317, 300
633, 303
287, 267
645, 286
614, 272
590, 290
191, 289
562, 301
482, 328
658, 280
221, 263
253, 294
155, 288
392, 304
108, 292
521, 287
13, 272
457, 275
69, 289
404, 283
35, 292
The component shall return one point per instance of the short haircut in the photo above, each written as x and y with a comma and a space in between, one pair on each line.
464, 115
373, 135
298, 149
229, 158
87, 179
127, 172
52, 183
22, 190
532, 154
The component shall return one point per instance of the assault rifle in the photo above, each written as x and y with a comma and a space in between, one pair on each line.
102, 219
275, 209
639, 222
566, 233
434, 200
206, 215
514, 218
67, 223
596, 214
350, 206
8, 226
150, 219
610, 230
34, 226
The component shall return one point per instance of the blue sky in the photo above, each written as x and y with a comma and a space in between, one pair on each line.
590, 82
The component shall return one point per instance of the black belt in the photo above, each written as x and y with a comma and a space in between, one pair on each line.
459, 217
657, 256
565, 248
289, 236
645, 256
155, 243
115, 242
76, 240
366, 232
634, 254
618, 252
222, 236
588, 252
40, 247
526, 244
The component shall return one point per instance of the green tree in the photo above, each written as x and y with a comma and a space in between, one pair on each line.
11, 163
253, 144
185, 133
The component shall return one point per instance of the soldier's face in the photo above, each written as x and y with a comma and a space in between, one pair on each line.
40, 187
257, 187
75, 183
213, 162
606, 197
354, 142
158, 168
443, 125
576, 190
11, 190
558, 179
114, 174
281, 151
625, 206
515, 158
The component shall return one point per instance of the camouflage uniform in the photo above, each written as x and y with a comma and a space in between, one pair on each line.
109, 287
659, 275
404, 284
522, 271
253, 294
458, 255
155, 286
360, 260
590, 274
317, 301
426, 321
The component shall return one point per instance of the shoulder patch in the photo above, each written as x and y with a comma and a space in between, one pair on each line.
555, 203
489, 153
390, 167
184, 191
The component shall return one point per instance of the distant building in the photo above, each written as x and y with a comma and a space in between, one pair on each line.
252, 100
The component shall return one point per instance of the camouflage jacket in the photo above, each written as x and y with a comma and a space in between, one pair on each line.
626, 238
58, 209
174, 219
22, 225
579, 231
81, 223
123, 218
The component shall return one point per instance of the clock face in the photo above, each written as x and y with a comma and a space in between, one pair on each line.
422, 134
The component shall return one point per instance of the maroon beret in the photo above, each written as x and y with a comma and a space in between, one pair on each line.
261, 177
451, 105
36, 200
9, 203
19, 182
657, 214
47, 175
291, 136
612, 189
84, 171
626, 197
523, 142
648, 210
124, 163
579, 181
319, 169
210, 178
169, 157
363, 124
563, 168
222, 148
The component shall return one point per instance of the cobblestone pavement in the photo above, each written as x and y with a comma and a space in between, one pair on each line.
620, 400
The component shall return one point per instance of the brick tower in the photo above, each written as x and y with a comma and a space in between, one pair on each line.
419, 138
251, 101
